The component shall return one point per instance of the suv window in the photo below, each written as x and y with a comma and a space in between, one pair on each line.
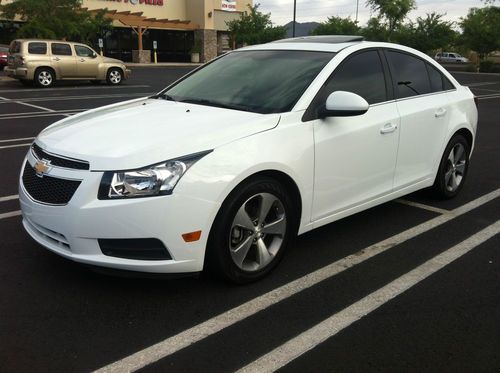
37, 48
82, 51
15, 47
409, 74
60, 49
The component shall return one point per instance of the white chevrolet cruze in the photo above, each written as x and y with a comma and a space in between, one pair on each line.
226, 165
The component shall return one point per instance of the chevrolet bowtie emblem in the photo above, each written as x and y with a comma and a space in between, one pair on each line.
41, 168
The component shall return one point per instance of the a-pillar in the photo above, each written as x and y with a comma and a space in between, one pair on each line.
207, 40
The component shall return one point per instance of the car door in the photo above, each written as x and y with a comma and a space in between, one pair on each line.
87, 62
63, 60
424, 110
355, 156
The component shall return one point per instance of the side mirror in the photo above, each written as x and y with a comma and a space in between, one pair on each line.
343, 104
94, 54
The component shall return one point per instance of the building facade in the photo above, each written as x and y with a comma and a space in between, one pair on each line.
176, 27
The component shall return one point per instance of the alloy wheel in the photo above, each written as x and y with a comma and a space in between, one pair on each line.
257, 232
45, 78
455, 167
115, 77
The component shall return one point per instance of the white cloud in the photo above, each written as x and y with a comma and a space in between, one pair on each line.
319, 10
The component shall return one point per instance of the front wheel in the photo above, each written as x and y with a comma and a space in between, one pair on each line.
453, 168
114, 76
251, 231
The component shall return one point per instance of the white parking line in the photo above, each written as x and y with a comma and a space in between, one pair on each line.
209, 327
14, 146
69, 98
10, 214
480, 84
311, 338
71, 88
21, 139
15, 101
34, 113
9, 198
43, 114
422, 206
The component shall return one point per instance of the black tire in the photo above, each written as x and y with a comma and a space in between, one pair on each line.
219, 258
44, 77
95, 82
444, 187
114, 76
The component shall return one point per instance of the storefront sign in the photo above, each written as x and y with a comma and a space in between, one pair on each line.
135, 2
229, 5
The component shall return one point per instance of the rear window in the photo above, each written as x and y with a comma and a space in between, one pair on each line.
60, 49
37, 48
15, 47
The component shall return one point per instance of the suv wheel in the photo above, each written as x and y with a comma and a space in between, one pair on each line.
44, 77
114, 76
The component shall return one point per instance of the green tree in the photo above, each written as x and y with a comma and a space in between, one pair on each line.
254, 27
481, 30
337, 26
375, 30
55, 19
431, 33
393, 12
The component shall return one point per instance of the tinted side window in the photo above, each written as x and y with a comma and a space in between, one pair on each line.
435, 77
82, 51
361, 74
61, 49
409, 73
447, 84
37, 48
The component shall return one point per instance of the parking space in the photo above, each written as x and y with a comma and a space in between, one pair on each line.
411, 285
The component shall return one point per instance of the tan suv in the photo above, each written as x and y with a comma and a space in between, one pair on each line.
45, 61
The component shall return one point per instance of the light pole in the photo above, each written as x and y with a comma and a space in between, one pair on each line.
357, 9
294, 16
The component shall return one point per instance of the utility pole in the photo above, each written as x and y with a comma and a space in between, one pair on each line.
357, 10
294, 16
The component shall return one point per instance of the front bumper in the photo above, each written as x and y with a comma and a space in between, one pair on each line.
73, 230
17, 73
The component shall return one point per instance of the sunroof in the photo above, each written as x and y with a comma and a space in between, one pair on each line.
329, 39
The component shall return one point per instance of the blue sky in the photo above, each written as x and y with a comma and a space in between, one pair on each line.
319, 10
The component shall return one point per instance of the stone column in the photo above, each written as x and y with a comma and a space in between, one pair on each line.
207, 39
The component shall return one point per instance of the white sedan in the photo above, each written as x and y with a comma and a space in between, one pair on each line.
225, 166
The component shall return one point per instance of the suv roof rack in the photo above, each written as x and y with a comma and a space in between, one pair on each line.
328, 39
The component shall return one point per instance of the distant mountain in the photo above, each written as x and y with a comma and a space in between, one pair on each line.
301, 29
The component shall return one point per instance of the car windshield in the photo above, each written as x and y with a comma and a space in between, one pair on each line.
269, 81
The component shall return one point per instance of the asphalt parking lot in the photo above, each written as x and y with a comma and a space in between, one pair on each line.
411, 285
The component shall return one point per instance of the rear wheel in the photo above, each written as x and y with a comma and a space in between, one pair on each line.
251, 231
44, 77
115, 76
453, 168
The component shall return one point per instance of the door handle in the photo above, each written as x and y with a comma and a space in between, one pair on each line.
57, 59
440, 113
388, 128
82, 60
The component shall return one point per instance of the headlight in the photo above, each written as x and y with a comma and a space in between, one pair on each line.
154, 180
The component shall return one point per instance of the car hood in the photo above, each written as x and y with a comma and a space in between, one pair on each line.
142, 132
111, 60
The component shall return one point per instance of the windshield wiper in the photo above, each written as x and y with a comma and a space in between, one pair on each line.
200, 101
164, 96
